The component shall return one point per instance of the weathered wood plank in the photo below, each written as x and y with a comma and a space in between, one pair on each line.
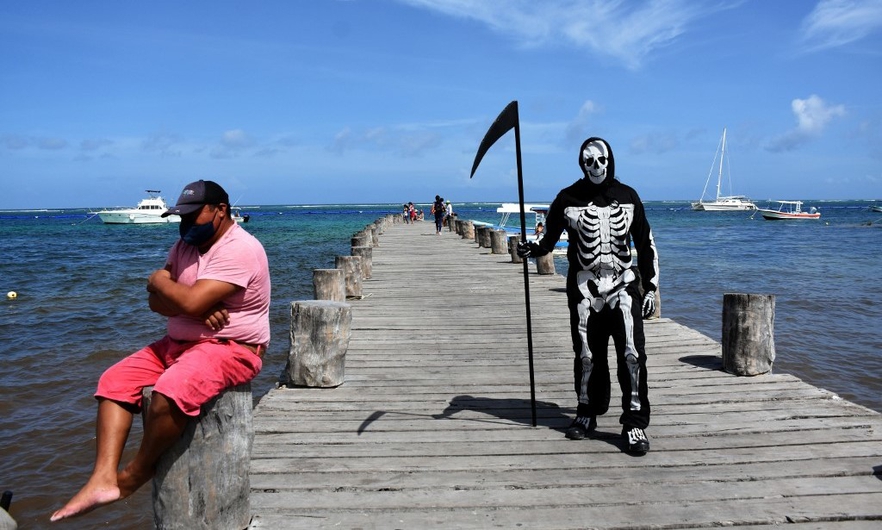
432, 426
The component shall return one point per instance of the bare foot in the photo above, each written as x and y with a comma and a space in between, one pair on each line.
93, 495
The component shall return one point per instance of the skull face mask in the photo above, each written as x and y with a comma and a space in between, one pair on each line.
595, 159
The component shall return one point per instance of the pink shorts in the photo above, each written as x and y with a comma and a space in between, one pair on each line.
189, 373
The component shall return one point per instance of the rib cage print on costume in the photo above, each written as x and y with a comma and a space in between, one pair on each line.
602, 250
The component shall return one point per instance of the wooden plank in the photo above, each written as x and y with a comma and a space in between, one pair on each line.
432, 425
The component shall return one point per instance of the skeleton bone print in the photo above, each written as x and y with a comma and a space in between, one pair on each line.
602, 249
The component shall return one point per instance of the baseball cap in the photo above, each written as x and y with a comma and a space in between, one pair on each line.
195, 195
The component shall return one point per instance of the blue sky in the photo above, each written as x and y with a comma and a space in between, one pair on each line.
365, 101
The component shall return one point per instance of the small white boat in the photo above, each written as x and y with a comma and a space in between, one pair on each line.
876, 208
148, 211
789, 210
722, 203
536, 213
238, 216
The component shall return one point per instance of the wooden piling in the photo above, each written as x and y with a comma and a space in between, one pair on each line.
203, 481
361, 239
513, 242
329, 284
498, 242
484, 235
545, 264
365, 253
748, 333
320, 332
468, 230
351, 266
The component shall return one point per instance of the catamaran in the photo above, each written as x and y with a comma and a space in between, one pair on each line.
727, 203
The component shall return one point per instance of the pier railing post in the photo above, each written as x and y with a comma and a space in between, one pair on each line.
485, 237
361, 239
329, 284
545, 264
320, 332
748, 333
513, 242
367, 260
351, 266
202, 481
498, 242
468, 230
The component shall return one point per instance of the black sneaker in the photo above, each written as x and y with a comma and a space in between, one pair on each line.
581, 426
638, 443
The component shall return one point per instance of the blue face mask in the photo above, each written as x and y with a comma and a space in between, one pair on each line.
194, 234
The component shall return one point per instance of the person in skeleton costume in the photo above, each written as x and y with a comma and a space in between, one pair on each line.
602, 217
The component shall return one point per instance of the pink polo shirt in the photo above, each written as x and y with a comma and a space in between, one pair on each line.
237, 258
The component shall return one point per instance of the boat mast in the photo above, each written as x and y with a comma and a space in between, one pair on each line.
722, 156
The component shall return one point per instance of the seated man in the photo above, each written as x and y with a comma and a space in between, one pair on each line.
215, 291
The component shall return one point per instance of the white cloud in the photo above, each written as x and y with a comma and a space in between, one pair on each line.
812, 117
626, 31
406, 141
813, 114
835, 23
232, 143
166, 144
576, 129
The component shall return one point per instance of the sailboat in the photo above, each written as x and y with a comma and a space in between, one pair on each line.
727, 203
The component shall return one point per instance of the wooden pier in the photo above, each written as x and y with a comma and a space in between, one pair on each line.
432, 427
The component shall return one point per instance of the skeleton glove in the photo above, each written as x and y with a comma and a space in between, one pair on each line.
529, 249
648, 304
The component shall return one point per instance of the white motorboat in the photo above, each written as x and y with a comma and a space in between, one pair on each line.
238, 216
537, 213
148, 211
789, 210
722, 203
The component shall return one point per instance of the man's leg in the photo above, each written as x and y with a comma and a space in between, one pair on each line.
112, 430
164, 426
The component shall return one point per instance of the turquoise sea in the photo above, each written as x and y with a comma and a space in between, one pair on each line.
81, 305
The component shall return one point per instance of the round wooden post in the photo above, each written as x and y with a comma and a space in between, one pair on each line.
202, 481
329, 284
320, 332
484, 235
468, 230
498, 242
748, 333
367, 260
513, 248
545, 264
372, 231
361, 239
351, 266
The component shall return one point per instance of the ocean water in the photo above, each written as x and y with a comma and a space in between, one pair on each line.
81, 306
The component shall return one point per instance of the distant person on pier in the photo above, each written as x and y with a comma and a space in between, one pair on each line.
448, 214
405, 213
539, 228
602, 216
438, 210
215, 292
